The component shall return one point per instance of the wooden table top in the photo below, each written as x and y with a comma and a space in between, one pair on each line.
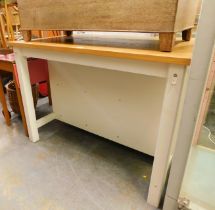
126, 48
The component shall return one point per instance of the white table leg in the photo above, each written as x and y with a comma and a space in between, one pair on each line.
174, 85
25, 85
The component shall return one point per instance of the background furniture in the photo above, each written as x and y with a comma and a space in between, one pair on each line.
7, 63
165, 17
8, 19
10, 24
38, 70
129, 96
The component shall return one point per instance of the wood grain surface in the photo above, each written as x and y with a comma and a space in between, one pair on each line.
126, 49
108, 15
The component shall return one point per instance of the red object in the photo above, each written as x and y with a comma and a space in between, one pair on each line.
43, 89
38, 72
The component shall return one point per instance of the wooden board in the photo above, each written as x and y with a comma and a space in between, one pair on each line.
117, 48
111, 15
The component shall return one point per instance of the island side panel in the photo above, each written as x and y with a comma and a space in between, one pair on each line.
119, 106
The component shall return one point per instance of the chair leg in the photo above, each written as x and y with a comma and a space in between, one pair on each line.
49, 93
2, 33
19, 96
4, 104
167, 41
187, 34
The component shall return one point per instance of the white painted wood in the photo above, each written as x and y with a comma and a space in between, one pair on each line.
174, 86
44, 120
119, 106
25, 85
127, 110
116, 64
202, 59
180, 109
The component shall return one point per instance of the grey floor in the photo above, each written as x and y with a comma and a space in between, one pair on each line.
69, 169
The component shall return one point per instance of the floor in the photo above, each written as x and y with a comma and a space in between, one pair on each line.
69, 169
207, 136
199, 180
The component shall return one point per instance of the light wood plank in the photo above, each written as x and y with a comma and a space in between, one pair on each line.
181, 54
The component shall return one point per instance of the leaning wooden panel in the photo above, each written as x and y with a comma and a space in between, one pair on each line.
102, 15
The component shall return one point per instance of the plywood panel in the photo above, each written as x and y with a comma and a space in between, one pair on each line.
122, 107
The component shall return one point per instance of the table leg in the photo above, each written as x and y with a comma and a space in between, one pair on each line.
165, 140
27, 98
4, 103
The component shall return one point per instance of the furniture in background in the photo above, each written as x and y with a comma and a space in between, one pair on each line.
130, 96
7, 64
10, 24
8, 19
165, 17
38, 71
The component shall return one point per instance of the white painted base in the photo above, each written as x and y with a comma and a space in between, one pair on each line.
119, 106
134, 103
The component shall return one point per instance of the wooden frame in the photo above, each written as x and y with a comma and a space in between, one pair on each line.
173, 71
